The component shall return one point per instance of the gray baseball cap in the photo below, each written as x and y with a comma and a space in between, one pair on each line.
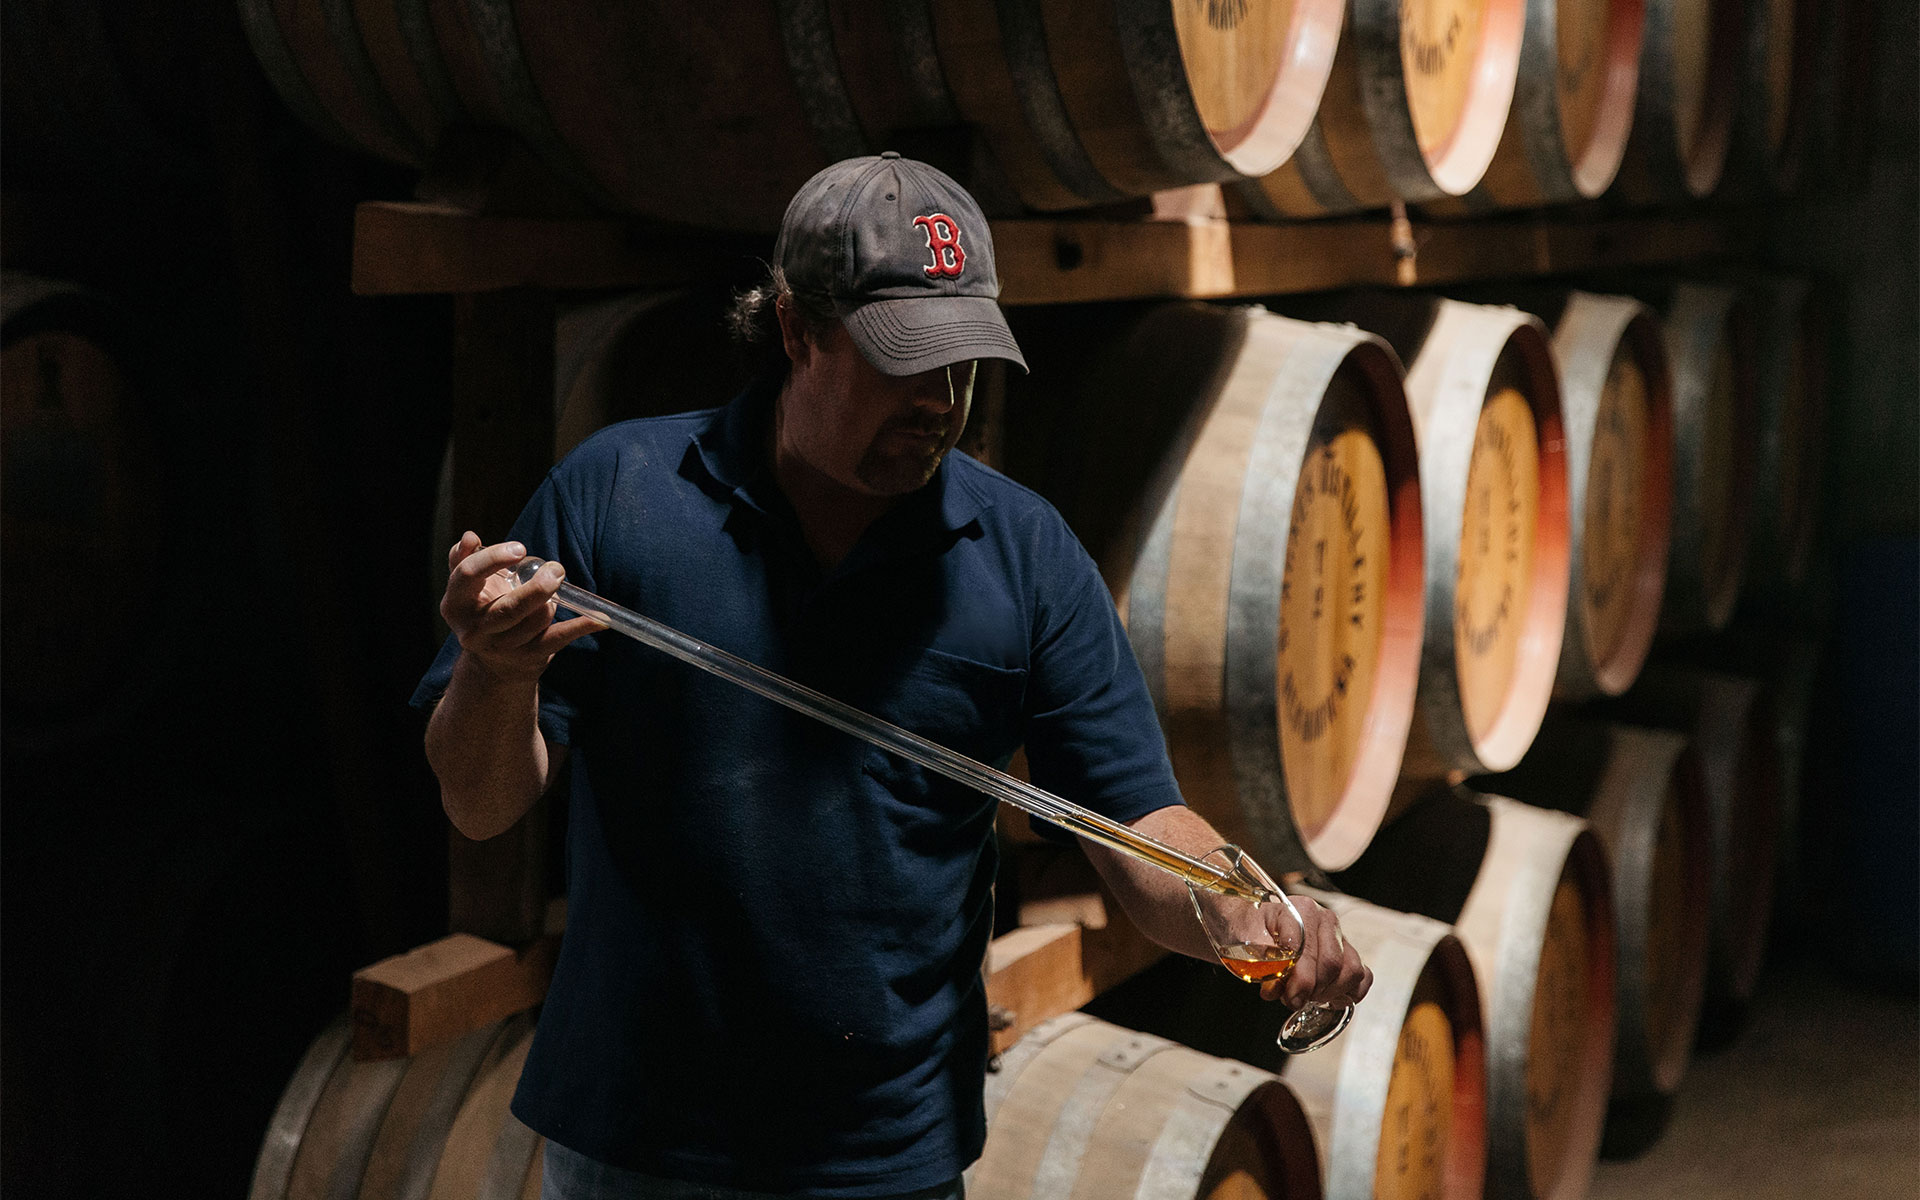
905, 256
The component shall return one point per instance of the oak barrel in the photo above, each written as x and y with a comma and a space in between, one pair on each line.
1528, 894
1643, 793
1730, 720
1082, 1110
714, 114
1400, 1100
1413, 109
1572, 107
431, 1127
1841, 121
1257, 517
1616, 391
1711, 350
86, 502
1493, 484
1095, 102
1791, 343
1772, 121
639, 354
1683, 111
617, 358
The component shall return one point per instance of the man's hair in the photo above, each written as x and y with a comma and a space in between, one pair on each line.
755, 326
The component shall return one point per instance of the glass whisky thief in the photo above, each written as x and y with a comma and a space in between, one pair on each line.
1245, 914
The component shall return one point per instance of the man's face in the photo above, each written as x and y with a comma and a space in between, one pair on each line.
882, 435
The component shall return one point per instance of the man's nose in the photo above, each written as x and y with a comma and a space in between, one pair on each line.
933, 392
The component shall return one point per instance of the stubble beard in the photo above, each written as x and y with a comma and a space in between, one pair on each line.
897, 474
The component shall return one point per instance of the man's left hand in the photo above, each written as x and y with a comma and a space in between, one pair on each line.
1329, 970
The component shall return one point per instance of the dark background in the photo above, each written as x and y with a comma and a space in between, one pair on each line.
190, 871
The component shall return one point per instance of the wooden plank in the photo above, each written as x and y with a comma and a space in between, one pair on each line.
445, 989
1033, 974
1177, 247
1070, 261
1044, 970
413, 248
1313, 256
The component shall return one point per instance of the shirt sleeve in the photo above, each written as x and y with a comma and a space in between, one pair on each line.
567, 689
1092, 734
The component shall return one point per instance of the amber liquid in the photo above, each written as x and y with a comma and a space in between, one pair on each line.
1257, 964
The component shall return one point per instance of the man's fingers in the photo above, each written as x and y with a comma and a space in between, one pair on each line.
1334, 977
1300, 985
560, 634
468, 543
485, 560
522, 600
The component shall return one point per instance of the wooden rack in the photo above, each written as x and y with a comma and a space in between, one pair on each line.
413, 249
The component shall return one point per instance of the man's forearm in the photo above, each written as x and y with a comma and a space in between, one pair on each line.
484, 744
1154, 900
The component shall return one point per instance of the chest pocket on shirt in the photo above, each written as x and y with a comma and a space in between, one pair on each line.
970, 707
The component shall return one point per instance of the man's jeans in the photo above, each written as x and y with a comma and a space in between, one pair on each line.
569, 1175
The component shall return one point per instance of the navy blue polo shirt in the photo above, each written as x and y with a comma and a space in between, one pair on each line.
771, 972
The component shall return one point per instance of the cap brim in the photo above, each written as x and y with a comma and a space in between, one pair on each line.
925, 333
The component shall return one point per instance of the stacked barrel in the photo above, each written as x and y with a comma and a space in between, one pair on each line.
712, 114
1432, 592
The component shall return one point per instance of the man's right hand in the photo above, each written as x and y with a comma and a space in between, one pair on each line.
505, 627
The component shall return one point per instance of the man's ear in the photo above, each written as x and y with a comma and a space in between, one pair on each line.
793, 331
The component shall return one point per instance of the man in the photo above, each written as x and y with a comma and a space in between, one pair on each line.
770, 982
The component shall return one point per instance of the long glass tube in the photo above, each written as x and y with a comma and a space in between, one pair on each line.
848, 719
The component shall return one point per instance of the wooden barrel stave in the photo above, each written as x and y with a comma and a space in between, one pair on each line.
417, 90
273, 1168
325, 40
891, 67
406, 1151
275, 53
971, 46
431, 1127
1200, 566
339, 1137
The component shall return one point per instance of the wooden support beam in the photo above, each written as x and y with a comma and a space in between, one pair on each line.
1077, 260
1042, 971
1174, 247
437, 992
404, 248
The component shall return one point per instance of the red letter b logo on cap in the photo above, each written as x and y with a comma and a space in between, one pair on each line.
943, 238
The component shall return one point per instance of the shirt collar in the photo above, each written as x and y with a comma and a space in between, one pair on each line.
727, 455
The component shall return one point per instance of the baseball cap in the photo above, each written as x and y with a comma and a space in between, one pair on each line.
906, 258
